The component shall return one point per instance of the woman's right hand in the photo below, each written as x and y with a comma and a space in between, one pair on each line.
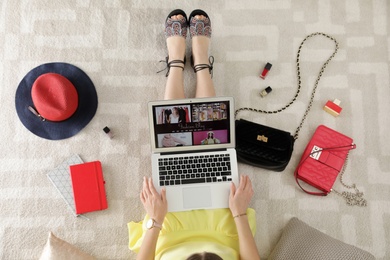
155, 204
240, 197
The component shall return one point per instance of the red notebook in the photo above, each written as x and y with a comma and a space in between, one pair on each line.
323, 159
88, 187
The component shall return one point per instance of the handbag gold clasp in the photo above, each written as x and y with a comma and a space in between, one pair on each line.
262, 138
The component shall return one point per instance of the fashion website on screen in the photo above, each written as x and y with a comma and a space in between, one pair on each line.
191, 124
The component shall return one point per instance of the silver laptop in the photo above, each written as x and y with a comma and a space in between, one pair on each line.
193, 153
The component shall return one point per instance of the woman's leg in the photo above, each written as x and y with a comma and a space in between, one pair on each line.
200, 53
176, 45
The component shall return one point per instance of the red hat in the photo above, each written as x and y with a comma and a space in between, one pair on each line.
54, 97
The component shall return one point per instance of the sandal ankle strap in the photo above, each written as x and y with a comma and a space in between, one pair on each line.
172, 63
209, 66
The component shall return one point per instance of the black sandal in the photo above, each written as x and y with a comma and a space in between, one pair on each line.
175, 28
199, 26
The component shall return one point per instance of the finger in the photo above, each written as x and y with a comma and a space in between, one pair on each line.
141, 196
249, 183
232, 189
249, 189
242, 182
146, 187
164, 195
145, 184
152, 188
144, 194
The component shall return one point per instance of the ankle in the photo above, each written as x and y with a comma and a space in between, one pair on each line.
200, 59
176, 48
200, 49
204, 66
176, 60
176, 64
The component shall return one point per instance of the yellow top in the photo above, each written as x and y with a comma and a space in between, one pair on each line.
185, 249
197, 231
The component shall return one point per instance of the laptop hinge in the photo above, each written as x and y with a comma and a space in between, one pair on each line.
198, 151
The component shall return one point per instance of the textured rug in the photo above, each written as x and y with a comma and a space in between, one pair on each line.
119, 43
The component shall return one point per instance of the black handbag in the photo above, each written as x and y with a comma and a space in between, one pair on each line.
270, 148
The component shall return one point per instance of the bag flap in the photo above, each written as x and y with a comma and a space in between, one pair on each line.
323, 158
263, 136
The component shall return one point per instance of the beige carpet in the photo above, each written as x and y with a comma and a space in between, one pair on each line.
119, 43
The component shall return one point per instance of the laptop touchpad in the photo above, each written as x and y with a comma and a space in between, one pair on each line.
197, 197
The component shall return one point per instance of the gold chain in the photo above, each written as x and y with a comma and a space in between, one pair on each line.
299, 83
319, 75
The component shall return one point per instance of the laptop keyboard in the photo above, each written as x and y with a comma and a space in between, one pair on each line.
194, 169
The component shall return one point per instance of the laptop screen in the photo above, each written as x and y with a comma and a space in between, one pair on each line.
188, 124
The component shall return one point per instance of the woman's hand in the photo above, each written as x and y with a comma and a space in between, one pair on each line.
240, 197
238, 203
155, 204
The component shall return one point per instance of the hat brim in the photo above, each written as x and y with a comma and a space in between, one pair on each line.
86, 109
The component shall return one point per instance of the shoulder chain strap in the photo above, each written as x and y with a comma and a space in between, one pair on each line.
351, 198
299, 83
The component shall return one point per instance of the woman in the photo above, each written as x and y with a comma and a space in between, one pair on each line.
222, 233
156, 207
210, 139
174, 117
